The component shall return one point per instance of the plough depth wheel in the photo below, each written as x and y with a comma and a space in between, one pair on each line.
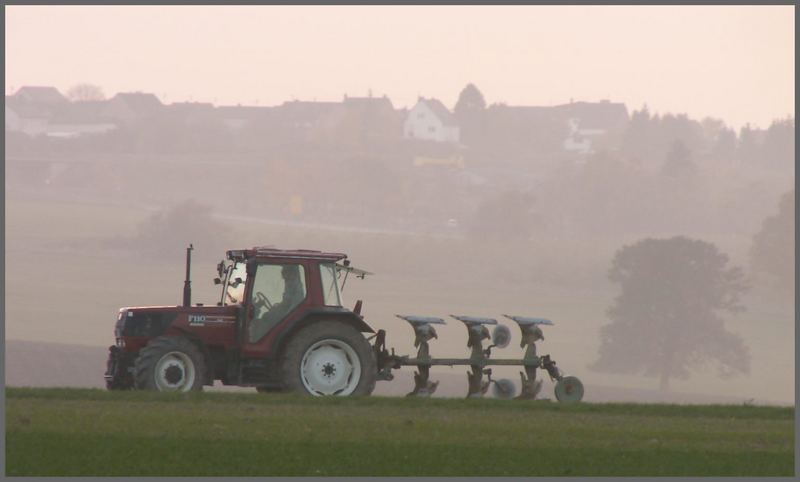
569, 389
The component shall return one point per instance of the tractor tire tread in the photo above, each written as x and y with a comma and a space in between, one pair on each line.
144, 364
295, 348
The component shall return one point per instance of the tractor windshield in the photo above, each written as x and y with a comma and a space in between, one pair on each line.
234, 286
330, 288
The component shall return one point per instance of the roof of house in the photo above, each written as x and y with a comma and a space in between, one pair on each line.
439, 110
297, 110
596, 115
243, 111
368, 102
191, 111
189, 106
523, 112
140, 102
43, 94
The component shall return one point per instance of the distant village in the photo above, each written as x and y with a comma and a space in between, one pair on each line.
44, 111
361, 160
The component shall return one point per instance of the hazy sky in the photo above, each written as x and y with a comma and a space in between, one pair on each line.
733, 63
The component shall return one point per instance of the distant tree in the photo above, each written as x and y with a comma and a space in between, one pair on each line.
720, 139
636, 140
470, 100
778, 147
168, 231
667, 319
678, 163
749, 149
470, 112
85, 92
724, 147
649, 138
712, 127
680, 127
772, 251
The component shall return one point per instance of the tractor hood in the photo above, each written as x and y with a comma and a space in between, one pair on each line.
151, 321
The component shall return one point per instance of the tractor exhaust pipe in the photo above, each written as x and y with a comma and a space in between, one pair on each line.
187, 283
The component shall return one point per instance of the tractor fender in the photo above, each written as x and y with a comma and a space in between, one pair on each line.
329, 314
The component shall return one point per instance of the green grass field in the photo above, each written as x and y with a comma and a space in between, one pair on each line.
52, 432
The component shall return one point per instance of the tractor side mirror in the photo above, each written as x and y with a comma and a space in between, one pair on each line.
217, 281
220, 270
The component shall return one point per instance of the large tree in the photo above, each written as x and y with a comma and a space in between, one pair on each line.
667, 319
772, 251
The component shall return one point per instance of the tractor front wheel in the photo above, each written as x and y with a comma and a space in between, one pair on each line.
329, 358
170, 364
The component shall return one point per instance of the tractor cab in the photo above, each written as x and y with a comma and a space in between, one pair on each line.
276, 288
272, 286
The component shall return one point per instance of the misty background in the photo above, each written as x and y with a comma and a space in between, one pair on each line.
460, 201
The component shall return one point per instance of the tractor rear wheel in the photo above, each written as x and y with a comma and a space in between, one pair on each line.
329, 358
170, 364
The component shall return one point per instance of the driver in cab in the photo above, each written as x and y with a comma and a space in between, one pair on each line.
272, 314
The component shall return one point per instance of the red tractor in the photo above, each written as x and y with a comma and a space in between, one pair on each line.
280, 325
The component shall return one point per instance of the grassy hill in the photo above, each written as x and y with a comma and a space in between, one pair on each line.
85, 432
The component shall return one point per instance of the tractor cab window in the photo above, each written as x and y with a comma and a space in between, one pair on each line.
277, 290
234, 289
330, 288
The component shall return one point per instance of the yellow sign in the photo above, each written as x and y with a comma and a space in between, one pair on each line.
455, 161
296, 204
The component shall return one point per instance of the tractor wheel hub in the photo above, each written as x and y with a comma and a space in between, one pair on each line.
330, 367
173, 374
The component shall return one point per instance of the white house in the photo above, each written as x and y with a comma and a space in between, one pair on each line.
30, 108
13, 120
580, 140
430, 120
590, 121
28, 119
77, 119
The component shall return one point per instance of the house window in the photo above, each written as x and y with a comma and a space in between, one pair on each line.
431, 129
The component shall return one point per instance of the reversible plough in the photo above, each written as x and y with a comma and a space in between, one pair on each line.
567, 388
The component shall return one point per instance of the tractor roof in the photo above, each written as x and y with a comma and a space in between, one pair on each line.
266, 253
